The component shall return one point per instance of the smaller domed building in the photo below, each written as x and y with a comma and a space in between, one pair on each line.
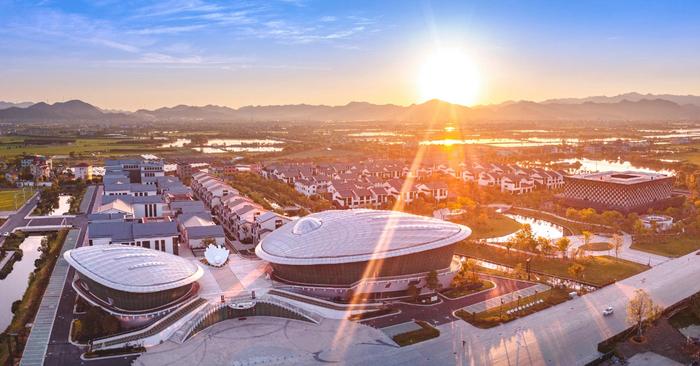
133, 282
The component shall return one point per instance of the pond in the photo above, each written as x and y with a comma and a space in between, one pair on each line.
13, 286
63, 206
539, 227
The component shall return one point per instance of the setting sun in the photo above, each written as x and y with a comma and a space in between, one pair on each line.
451, 76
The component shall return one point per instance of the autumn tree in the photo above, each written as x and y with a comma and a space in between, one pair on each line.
617, 242
576, 270
563, 245
641, 310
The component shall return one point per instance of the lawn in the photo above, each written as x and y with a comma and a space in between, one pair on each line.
497, 226
455, 293
102, 146
12, 199
597, 246
426, 332
598, 271
668, 246
495, 316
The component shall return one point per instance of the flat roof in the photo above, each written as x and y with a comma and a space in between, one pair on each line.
345, 236
133, 269
626, 177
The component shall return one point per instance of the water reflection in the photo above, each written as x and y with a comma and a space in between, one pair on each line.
589, 165
63, 206
13, 286
539, 227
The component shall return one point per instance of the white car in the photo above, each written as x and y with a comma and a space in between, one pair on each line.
608, 311
6, 234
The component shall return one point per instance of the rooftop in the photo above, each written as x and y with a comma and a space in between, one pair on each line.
132, 268
346, 236
626, 177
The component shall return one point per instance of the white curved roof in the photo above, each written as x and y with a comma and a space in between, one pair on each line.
132, 268
346, 236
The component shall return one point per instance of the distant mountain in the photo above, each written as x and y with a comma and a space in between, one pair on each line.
70, 110
656, 109
632, 97
5, 105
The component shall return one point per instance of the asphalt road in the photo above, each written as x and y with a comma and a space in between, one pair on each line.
18, 219
441, 313
60, 351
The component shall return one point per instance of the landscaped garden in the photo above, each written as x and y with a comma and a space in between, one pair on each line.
425, 332
472, 288
597, 271
515, 309
669, 246
493, 226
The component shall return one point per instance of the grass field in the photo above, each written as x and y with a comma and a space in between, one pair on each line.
599, 271
668, 246
12, 146
11, 197
495, 227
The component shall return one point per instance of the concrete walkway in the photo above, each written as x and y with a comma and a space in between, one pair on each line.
626, 252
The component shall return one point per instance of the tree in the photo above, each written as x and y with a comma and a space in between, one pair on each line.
412, 291
576, 270
563, 245
641, 310
544, 245
617, 242
587, 235
431, 281
519, 271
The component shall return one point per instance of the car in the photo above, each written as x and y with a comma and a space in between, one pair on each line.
6, 234
608, 311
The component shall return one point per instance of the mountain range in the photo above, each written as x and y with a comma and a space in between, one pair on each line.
625, 107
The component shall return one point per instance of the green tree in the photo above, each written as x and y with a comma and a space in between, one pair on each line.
412, 291
431, 281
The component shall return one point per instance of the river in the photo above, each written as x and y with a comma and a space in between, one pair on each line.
13, 286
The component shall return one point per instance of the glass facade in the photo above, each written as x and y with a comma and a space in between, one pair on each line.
134, 302
344, 274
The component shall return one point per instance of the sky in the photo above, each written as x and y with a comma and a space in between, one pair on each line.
128, 55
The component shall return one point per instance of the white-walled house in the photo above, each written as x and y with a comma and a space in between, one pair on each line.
161, 236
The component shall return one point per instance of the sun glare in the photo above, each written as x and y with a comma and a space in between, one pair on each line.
451, 76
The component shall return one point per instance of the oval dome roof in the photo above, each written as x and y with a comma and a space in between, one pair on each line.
346, 236
132, 268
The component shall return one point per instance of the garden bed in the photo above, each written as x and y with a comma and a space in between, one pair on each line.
426, 332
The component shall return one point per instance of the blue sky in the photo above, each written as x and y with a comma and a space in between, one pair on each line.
139, 54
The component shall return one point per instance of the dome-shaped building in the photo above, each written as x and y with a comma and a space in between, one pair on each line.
131, 281
336, 254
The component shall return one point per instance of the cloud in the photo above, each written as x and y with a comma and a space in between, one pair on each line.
167, 30
328, 19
